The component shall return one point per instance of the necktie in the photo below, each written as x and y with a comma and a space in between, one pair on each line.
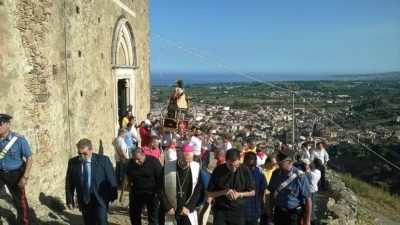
85, 183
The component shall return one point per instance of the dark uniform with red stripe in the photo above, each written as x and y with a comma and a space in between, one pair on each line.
12, 167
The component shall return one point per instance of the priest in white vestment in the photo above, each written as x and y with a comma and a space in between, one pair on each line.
180, 189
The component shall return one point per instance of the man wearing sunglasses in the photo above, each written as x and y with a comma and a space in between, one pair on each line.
93, 178
290, 198
15, 166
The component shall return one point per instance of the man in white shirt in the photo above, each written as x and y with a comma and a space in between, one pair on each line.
321, 154
304, 153
195, 142
227, 141
121, 155
207, 146
155, 130
302, 140
170, 153
149, 119
135, 134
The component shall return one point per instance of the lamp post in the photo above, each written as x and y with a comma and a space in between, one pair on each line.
293, 120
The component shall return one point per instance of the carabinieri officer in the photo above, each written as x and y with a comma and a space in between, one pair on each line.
290, 198
15, 166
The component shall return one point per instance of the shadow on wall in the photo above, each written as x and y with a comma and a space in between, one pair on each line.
101, 147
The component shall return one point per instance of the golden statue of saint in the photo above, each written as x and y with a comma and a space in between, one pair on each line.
178, 98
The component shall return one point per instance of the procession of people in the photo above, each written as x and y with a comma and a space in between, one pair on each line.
181, 177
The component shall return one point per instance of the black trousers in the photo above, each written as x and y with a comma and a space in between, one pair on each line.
11, 180
322, 181
290, 217
314, 206
161, 215
264, 219
93, 213
251, 223
182, 220
120, 171
136, 203
228, 216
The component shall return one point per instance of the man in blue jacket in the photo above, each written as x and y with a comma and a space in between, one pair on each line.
93, 178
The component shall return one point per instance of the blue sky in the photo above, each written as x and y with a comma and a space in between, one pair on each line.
279, 37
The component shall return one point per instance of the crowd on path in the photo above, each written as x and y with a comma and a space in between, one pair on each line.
171, 174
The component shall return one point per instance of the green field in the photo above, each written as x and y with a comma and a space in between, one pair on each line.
369, 103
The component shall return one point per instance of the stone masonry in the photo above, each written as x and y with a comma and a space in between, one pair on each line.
342, 203
57, 81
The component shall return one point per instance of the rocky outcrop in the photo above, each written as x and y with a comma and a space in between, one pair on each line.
342, 203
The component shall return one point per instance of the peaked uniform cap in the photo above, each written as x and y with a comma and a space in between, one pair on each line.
5, 118
282, 155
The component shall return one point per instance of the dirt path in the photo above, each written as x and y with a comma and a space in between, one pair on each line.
118, 214
322, 200
40, 214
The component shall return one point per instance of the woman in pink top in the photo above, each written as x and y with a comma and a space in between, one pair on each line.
153, 149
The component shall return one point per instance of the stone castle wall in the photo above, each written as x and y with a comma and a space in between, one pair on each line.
342, 203
57, 82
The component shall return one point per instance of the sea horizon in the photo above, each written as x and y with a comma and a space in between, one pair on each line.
215, 78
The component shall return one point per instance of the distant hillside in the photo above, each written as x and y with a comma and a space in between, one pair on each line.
360, 163
371, 76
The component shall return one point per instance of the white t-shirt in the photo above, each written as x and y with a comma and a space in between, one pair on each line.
147, 122
120, 149
227, 146
313, 178
261, 159
207, 144
165, 139
299, 145
320, 154
135, 134
170, 154
304, 154
154, 133
180, 141
195, 142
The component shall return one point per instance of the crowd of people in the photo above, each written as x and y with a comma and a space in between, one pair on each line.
172, 174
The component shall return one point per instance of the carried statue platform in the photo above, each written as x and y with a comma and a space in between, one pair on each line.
178, 110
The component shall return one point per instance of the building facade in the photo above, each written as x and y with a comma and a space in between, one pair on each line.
68, 70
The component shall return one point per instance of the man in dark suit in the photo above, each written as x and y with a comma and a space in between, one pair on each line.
93, 178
